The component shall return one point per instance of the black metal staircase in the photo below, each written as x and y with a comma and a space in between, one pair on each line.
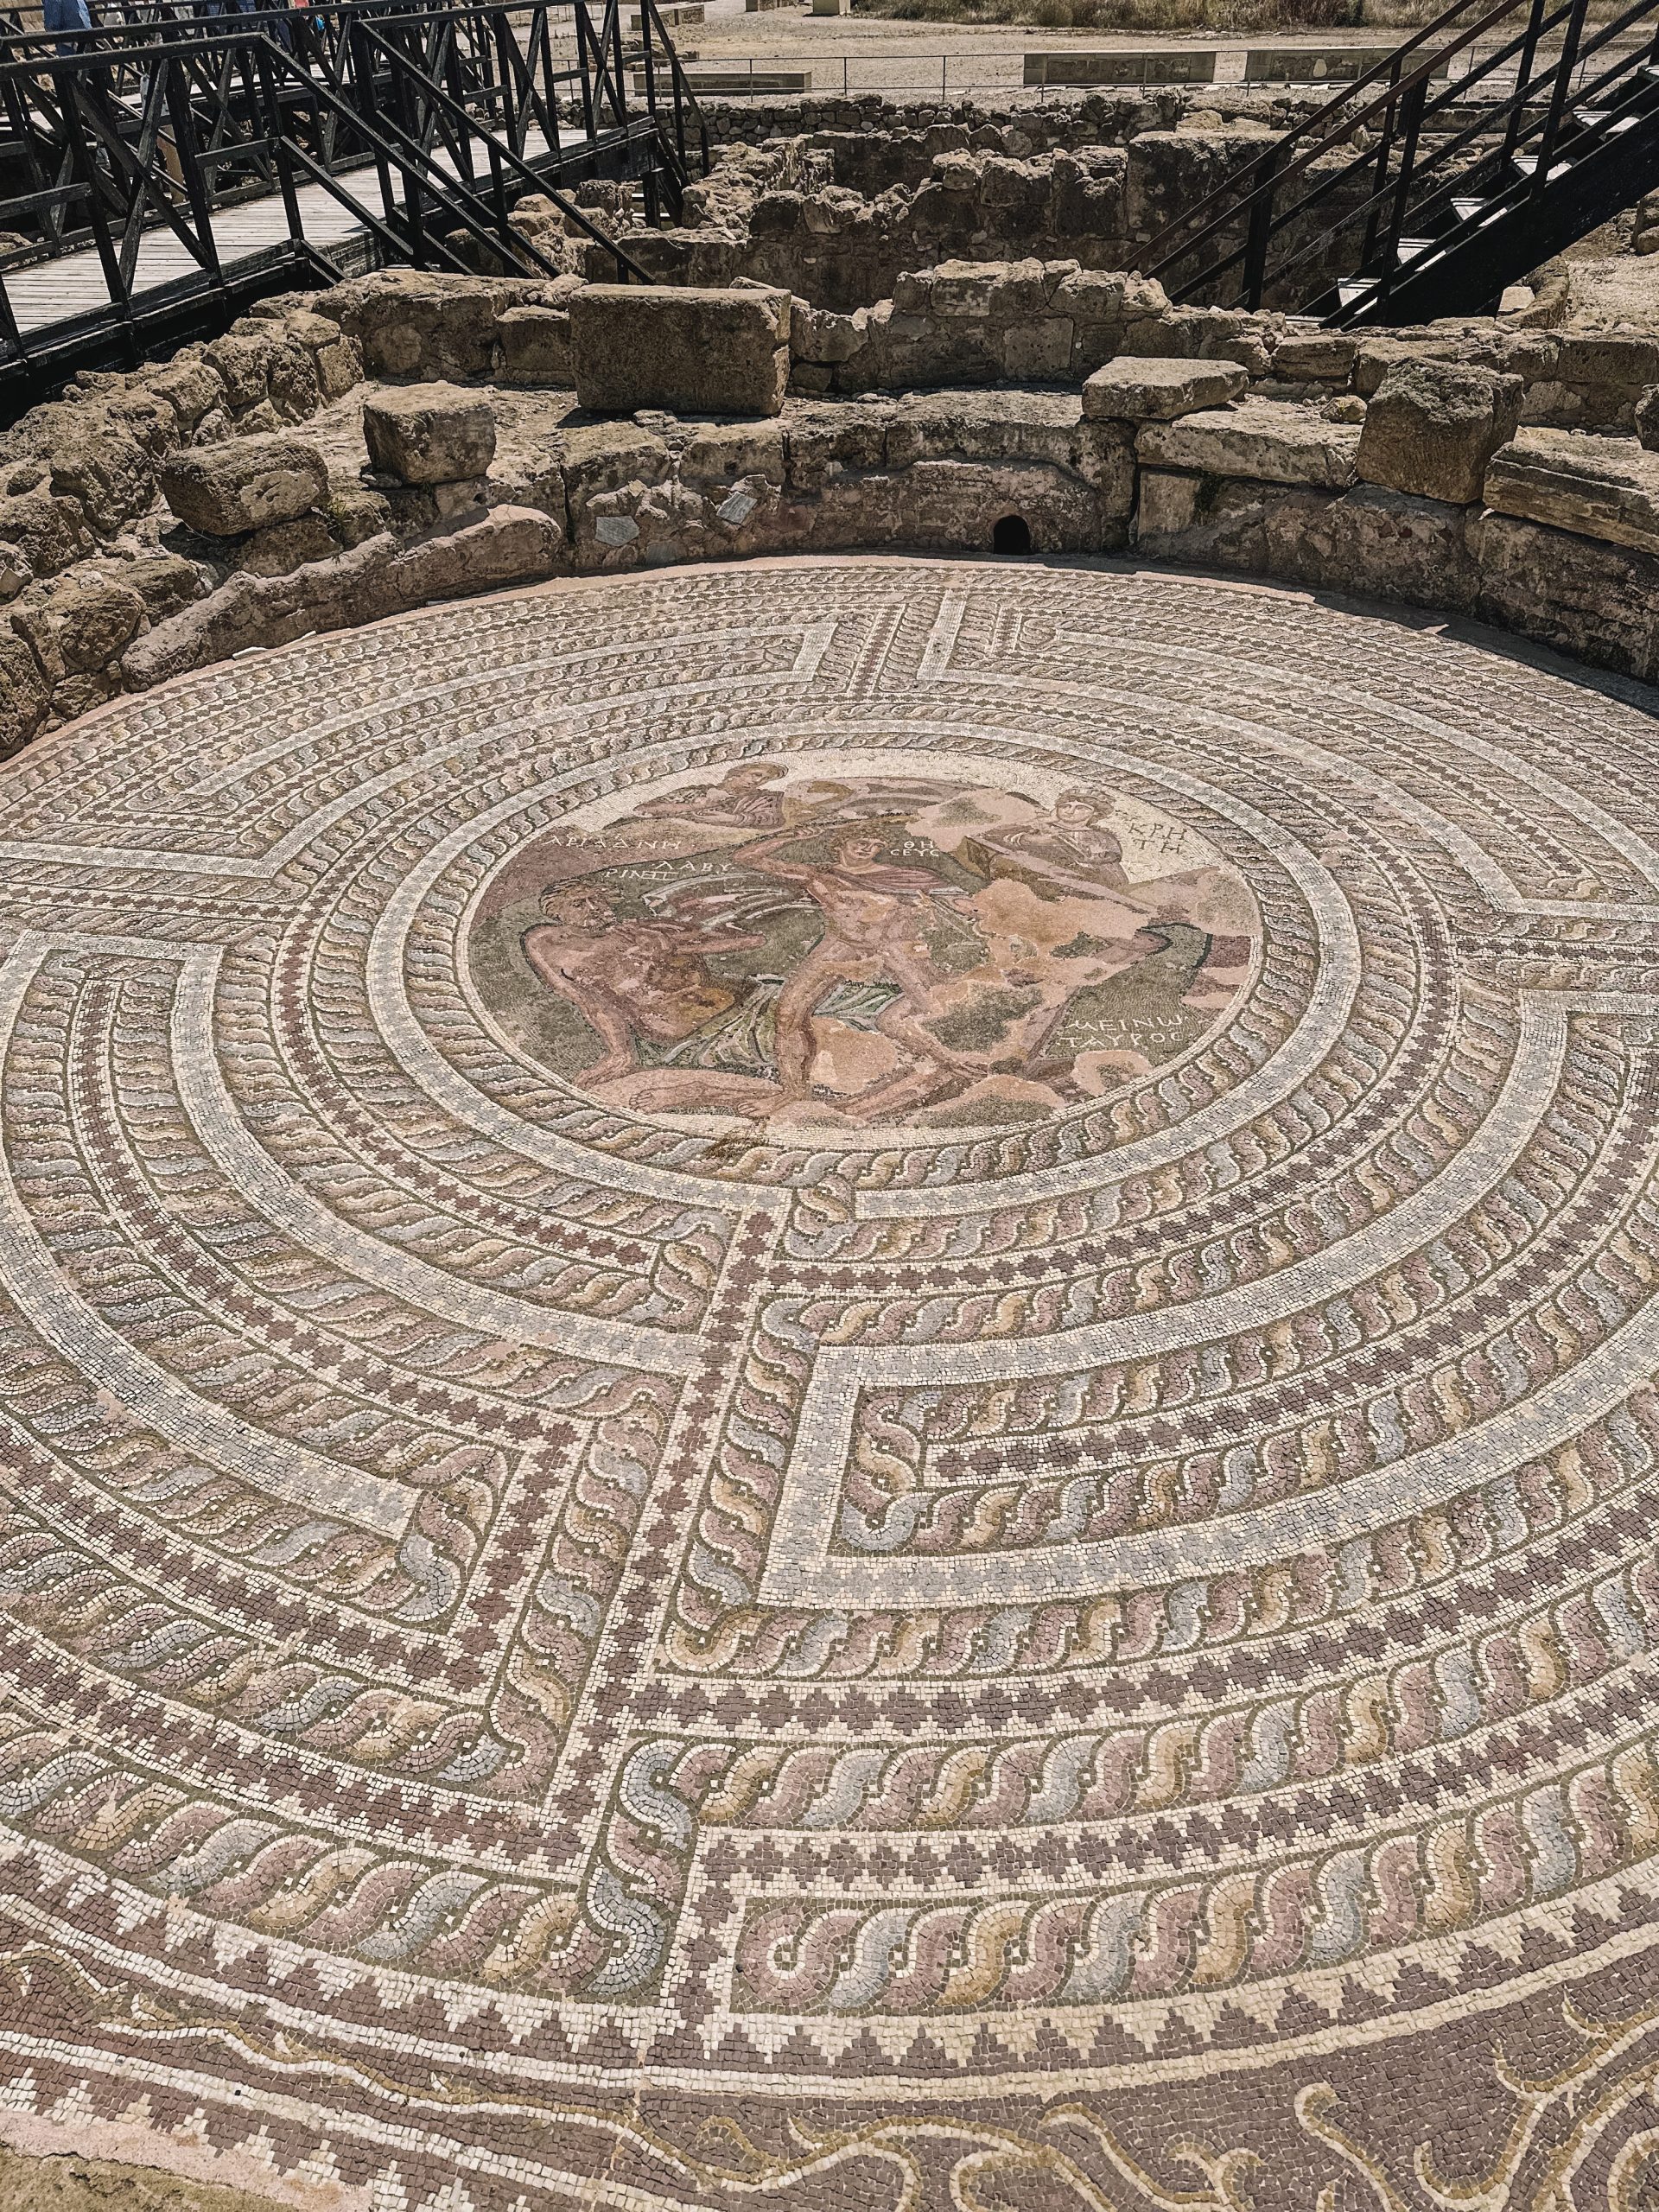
424, 125
1493, 139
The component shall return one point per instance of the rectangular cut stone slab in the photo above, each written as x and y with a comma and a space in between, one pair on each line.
1316, 64
1596, 487
690, 349
1156, 66
1261, 438
243, 484
1326, 356
429, 433
1131, 389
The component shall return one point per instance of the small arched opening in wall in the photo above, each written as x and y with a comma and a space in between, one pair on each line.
1011, 534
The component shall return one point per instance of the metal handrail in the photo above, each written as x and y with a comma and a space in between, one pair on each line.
1160, 252
160, 124
1318, 247
1260, 199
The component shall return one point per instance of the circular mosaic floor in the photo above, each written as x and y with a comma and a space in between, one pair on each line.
832, 1385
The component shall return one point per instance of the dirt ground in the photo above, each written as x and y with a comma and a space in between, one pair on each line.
873, 54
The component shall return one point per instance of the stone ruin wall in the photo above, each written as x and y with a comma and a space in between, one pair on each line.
921, 420
839, 215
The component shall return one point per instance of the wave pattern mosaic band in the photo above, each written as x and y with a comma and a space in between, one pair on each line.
832, 1385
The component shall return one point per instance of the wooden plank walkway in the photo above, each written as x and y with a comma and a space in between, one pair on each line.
53, 291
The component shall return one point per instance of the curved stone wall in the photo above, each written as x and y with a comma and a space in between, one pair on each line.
1290, 476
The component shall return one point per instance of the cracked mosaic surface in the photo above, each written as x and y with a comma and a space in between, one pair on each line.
833, 1385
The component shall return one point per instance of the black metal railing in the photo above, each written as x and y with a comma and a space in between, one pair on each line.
1449, 143
407, 135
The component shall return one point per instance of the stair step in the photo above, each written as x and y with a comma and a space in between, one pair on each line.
1526, 165
1591, 117
1469, 211
1351, 290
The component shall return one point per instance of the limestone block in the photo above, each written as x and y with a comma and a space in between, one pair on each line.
429, 433
954, 287
248, 610
1170, 170
510, 545
1217, 521
355, 513
48, 529
94, 461
287, 546
1102, 295
507, 546
24, 693
692, 349
315, 332
1596, 358
730, 450
823, 443
1595, 487
245, 484
959, 503
1040, 348
241, 360
1647, 418
191, 389
412, 324
822, 338
1431, 427
1261, 439
340, 367
598, 456
1210, 334
295, 383
1529, 354
1015, 186
145, 417
165, 581
15, 572
1597, 601
1372, 542
1006, 426
1322, 356
905, 352
536, 344
80, 622
1026, 288
1133, 389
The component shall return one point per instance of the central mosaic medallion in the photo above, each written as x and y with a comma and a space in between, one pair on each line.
841, 939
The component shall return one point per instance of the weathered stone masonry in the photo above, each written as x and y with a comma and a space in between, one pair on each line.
1479, 469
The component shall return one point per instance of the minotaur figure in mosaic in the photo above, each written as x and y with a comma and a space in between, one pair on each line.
627, 979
